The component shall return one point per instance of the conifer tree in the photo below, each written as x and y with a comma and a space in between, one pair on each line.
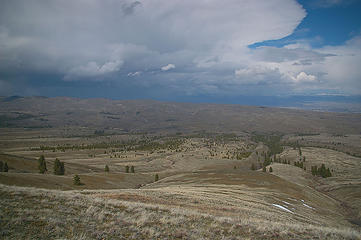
270, 169
6, 168
76, 180
42, 164
58, 167
62, 168
253, 167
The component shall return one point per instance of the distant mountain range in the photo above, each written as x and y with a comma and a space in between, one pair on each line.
172, 117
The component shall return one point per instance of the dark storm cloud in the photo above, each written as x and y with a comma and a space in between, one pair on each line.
185, 46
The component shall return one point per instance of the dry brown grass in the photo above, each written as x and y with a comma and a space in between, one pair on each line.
28, 213
199, 196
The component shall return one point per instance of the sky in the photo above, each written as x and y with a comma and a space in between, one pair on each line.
230, 51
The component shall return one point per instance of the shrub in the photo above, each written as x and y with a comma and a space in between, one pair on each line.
42, 164
106, 168
76, 180
156, 177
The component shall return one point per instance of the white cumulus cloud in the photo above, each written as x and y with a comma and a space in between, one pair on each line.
167, 67
304, 77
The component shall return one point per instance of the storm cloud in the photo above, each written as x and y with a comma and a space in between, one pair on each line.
188, 47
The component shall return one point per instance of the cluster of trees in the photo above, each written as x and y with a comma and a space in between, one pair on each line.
4, 167
132, 170
273, 142
300, 165
59, 168
321, 171
283, 161
145, 144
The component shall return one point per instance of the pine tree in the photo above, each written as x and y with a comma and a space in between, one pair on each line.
127, 169
270, 169
156, 177
58, 167
6, 168
253, 167
106, 168
62, 168
322, 170
76, 180
328, 172
42, 164
132, 169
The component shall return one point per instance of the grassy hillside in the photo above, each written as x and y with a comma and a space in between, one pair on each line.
213, 164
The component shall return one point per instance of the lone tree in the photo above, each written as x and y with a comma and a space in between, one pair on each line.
127, 169
6, 168
76, 180
106, 168
156, 177
59, 168
132, 169
253, 167
42, 164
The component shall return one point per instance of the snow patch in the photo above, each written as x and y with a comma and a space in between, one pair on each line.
304, 204
282, 207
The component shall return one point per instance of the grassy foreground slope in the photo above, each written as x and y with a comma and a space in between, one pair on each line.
204, 205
